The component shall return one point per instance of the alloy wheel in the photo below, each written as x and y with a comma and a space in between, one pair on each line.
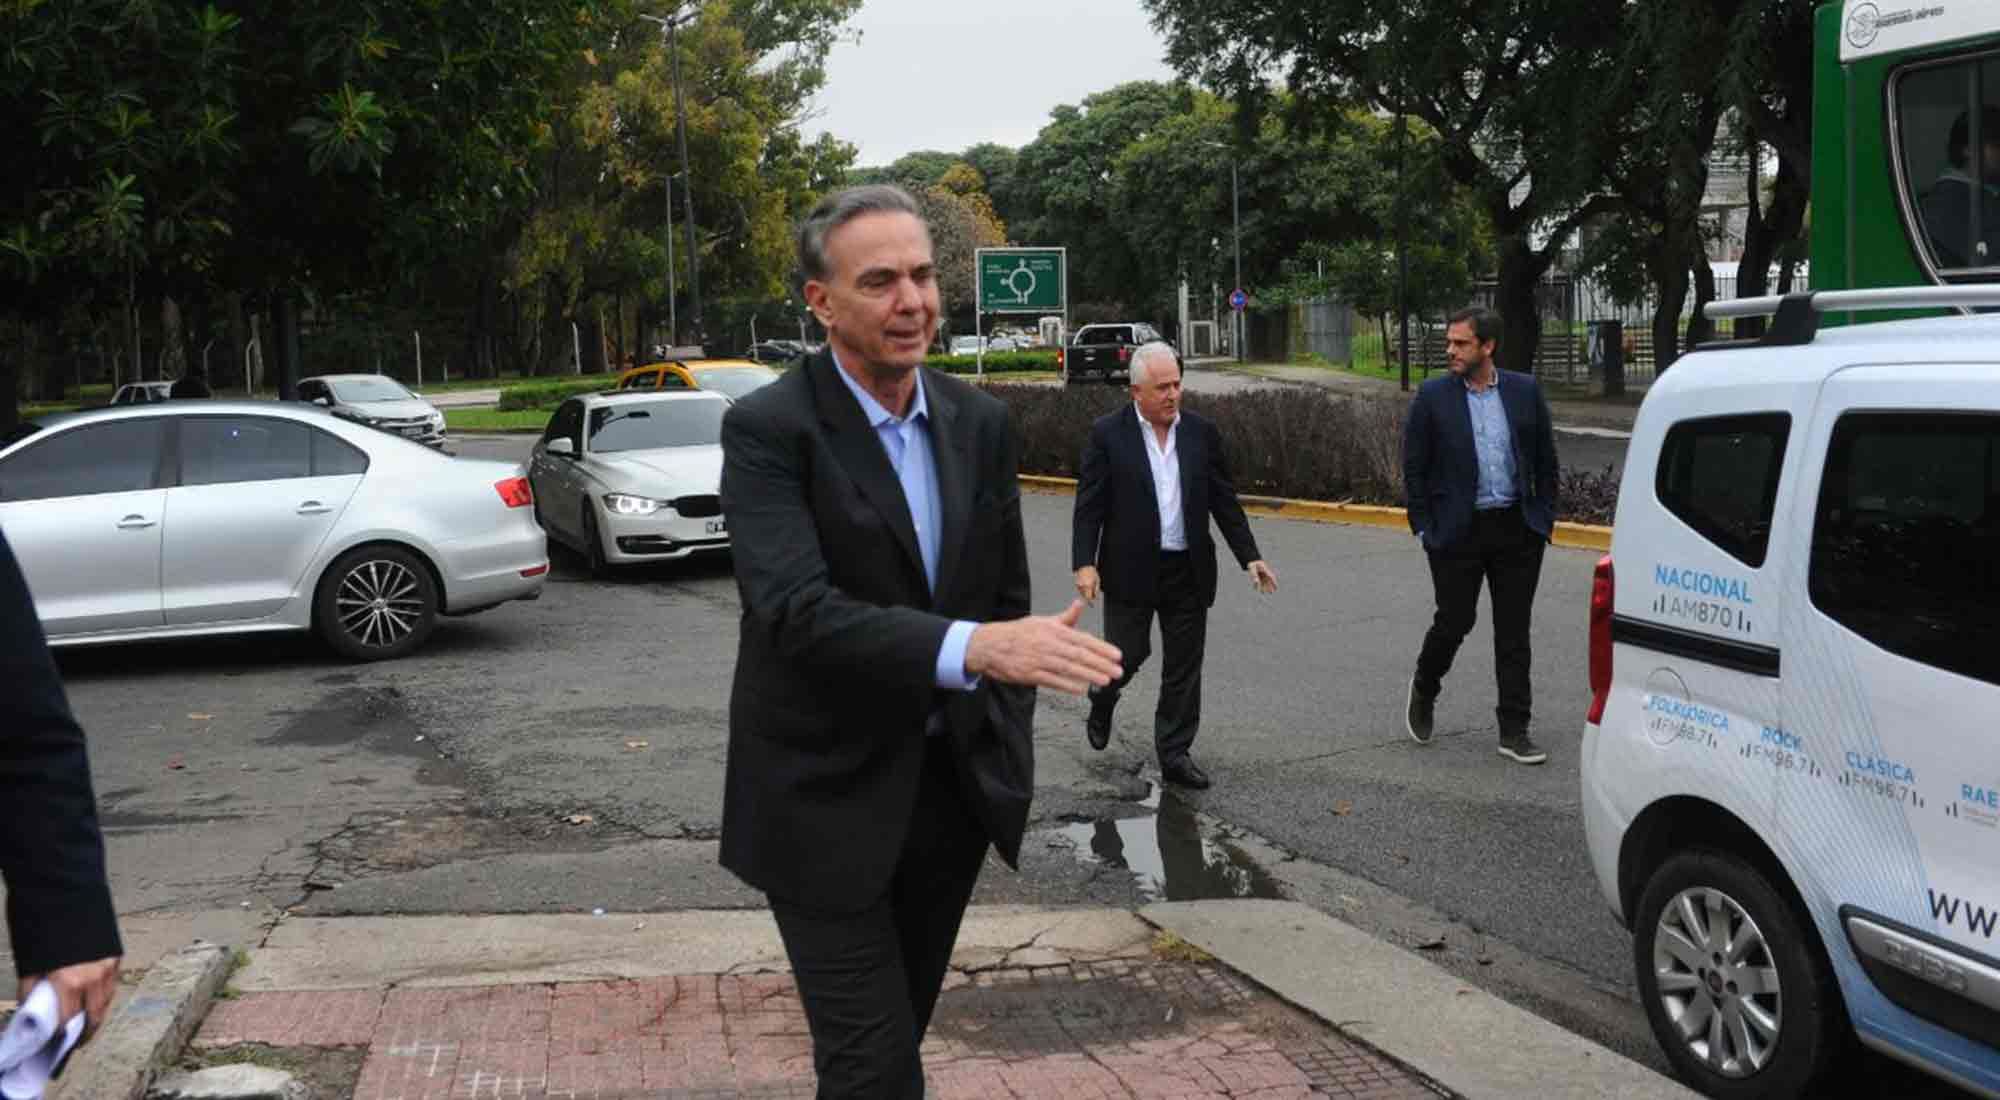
380, 603
1718, 981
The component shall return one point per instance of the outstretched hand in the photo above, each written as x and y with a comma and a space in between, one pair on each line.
1043, 651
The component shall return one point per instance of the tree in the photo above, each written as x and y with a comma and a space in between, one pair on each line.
1767, 78
1506, 86
1666, 110
960, 224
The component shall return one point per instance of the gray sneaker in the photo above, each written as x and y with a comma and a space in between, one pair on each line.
1521, 748
1420, 716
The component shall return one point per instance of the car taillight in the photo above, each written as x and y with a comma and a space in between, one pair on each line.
1059, 358
516, 492
1603, 587
1124, 354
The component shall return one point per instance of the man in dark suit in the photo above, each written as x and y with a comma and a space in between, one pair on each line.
1152, 476
1479, 467
881, 723
59, 917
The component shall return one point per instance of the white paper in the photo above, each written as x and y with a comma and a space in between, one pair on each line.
32, 1045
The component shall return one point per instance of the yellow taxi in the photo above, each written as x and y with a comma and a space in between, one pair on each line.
732, 378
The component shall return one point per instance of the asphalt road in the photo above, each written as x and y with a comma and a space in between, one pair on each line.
566, 754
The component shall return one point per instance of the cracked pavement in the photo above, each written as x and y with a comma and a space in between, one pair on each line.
565, 755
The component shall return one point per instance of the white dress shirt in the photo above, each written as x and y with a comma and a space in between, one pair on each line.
1166, 481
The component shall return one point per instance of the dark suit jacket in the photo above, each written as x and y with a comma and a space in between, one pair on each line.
1116, 525
58, 899
837, 659
1441, 461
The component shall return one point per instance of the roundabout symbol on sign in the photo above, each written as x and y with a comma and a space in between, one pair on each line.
1013, 281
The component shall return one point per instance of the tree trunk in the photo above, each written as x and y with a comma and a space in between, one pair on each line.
1700, 328
238, 343
1765, 238
10, 382
1672, 280
1521, 271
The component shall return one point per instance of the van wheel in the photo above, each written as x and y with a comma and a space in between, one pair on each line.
375, 603
1736, 987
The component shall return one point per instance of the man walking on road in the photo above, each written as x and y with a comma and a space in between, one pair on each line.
1152, 476
59, 914
881, 722
1479, 467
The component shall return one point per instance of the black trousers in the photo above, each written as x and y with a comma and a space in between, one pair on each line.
870, 979
1504, 552
1183, 641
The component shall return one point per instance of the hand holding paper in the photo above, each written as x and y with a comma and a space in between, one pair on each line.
34, 1044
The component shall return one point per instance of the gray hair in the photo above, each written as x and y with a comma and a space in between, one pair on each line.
842, 207
1152, 349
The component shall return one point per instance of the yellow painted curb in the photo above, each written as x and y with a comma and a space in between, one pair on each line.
1572, 536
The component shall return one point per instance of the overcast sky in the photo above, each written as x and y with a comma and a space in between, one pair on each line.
947, 74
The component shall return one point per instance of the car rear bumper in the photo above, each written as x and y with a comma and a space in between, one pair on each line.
510, 562
1080, 375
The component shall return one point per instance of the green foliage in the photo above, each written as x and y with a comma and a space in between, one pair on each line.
997, 362
547, 395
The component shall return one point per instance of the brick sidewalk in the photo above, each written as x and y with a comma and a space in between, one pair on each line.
1100, 1030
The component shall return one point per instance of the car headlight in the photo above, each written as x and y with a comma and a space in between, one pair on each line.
625, 504
437, 420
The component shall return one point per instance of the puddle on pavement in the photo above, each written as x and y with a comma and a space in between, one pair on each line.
1168, 855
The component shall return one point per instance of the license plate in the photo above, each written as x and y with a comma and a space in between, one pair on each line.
715, 527
413, 431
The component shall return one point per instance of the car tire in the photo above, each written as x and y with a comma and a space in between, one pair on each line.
1793, 1033
376, 603
593, 543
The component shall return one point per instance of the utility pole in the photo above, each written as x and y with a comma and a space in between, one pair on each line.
1236, 215
670, 28
1403, 218
673, 321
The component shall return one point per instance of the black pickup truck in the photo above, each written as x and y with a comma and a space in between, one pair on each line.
1103, 353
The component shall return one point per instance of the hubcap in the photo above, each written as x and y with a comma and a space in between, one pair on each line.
379, 603
1718, 981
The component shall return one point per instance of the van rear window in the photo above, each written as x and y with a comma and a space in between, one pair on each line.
1720, 476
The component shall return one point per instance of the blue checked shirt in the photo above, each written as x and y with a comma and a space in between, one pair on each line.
1494, 442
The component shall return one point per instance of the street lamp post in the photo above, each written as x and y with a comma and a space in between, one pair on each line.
669, 28
673, 320
1236, 328
1236, 217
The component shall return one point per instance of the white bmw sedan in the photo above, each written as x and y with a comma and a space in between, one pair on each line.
190, 518
633, 475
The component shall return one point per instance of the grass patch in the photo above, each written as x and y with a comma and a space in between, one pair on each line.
493, 420
1171, 948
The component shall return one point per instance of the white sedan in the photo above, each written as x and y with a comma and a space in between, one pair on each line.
633, 475
211, 517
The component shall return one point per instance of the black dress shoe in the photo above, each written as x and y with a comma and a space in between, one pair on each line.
1098, 730
1182, 771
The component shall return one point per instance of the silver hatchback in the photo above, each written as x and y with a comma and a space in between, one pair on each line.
179, 519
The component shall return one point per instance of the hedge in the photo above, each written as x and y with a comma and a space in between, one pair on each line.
1291, 442
997, 362
545, 395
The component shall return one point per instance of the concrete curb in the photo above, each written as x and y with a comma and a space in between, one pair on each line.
1465, 1039
149, 1029
1571, 536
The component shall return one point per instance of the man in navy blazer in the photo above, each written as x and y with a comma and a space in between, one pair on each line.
1479, 468
1153, 475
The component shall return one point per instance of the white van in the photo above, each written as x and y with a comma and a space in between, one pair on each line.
1791, 766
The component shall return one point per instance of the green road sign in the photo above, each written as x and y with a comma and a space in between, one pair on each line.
1022, 280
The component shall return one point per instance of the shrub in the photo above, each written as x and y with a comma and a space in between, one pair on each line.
1295, 442
545, 395
997, 362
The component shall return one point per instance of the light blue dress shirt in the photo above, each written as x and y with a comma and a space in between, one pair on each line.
1494, 442
907, 440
